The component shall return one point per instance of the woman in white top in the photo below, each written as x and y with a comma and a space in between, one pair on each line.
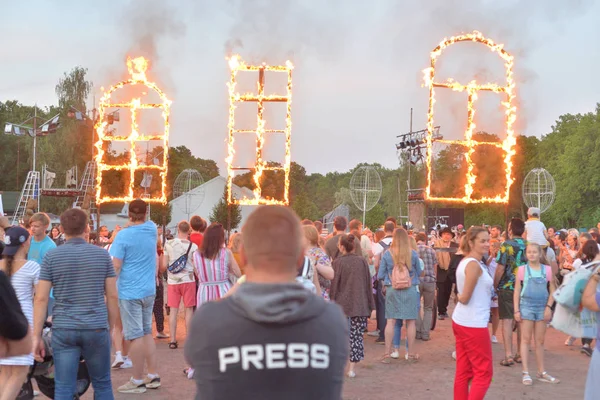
470, 319
24, 276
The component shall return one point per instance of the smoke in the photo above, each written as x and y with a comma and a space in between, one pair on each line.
283, 29
149, 22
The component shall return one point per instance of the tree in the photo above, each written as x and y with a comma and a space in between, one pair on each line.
73, 89
220, 213
375, 217
160, 211
304, 207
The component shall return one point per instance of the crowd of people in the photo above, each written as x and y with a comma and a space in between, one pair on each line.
301, 295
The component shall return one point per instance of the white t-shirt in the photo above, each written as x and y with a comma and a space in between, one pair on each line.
550, 255
476, 313
377, 249
174, 249
535, 232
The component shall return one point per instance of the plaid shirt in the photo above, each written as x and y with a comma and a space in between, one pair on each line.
427, 254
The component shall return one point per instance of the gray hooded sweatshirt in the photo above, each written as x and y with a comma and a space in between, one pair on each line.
268, 341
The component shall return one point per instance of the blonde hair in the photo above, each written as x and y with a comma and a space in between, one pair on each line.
311, 234
413, 243
235, 242
40, 217
400, 248
543, 259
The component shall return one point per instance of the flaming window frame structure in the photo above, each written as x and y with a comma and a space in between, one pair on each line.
507, 145
137, 69
236, 64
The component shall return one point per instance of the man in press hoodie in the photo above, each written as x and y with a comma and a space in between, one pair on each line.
272, 339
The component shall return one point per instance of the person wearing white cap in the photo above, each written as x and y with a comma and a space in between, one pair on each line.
535, 230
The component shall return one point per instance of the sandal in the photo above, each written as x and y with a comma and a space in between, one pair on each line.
517, 358
412, 358
173, 345
386, 359
508, 362
527, 381
545, 377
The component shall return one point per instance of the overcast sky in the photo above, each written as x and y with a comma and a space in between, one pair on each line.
357, 64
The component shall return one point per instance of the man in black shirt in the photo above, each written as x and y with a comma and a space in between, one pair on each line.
15, 339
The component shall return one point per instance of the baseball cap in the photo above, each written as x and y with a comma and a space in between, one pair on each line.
534, 211
138, 206
14, 237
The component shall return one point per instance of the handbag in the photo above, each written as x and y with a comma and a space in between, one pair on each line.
579, 324
569, 293
179, 264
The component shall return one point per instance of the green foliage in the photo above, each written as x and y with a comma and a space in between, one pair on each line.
161, 214
375, 217
221, 212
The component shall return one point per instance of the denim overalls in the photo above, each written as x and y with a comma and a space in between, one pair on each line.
535, 295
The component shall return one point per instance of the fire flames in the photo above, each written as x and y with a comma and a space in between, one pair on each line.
508, 145
137, 69
236, 64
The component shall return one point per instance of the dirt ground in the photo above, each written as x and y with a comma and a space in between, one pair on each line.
431, 378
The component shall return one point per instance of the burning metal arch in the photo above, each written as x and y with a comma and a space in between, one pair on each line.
472, 88
137, 69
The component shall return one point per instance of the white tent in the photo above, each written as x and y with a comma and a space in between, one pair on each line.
213, 192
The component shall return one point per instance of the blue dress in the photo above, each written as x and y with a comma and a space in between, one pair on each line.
400, 304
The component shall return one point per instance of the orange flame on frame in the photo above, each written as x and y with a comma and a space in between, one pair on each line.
508, 145
236, 64
137, 69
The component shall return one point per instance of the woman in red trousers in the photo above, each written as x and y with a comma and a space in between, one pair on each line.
470, 319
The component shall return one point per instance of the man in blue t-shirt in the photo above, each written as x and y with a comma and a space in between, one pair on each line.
40, 245
135, 260
40, 242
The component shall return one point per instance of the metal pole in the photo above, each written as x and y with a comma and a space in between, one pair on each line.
34, 134
365, 196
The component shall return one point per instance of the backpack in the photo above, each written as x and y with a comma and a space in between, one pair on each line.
179, 264
303, 279
400, 277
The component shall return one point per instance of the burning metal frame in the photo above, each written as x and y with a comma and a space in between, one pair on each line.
137, 69
236, 65
508, 145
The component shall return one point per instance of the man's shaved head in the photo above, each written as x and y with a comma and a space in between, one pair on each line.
272, 238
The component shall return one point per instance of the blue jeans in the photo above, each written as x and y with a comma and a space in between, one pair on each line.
94, 345
136, 316
397, 334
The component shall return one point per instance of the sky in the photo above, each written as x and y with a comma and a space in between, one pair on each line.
358, 65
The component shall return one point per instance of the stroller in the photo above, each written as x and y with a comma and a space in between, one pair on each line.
44, 373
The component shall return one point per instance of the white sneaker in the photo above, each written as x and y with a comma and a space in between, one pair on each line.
454, 355
351, 374
395, 354
373, 333
494, 339
118, 361
127, 364
570, 340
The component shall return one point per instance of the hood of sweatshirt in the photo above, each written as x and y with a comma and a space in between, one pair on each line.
280, 303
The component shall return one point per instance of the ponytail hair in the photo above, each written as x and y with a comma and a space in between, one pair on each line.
347, 242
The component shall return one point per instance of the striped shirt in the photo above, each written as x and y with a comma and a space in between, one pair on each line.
78, 271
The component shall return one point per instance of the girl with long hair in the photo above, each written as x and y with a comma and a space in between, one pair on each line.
319, 259
24, 276
533, 309
470, 319
400, 303
214, 263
